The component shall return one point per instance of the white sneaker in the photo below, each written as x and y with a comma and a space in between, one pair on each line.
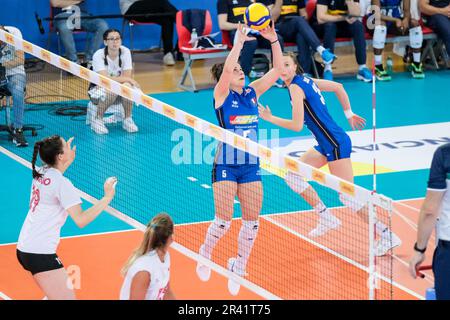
112, 119
98, 126
233, 286
168, 59
325, 225
203, 271
383, 245
129, 125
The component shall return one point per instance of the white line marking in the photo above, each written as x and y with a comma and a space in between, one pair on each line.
206, 186
4, 296
192, 179
334, 253
190, 254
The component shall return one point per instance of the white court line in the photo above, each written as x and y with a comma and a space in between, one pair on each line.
4, 296
190, 254
338, 255
408, 206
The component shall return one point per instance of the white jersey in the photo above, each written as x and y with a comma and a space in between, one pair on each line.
50, 198
159, 276
8, 53
113, 68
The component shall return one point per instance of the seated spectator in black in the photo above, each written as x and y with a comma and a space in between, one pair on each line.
437, 16
68, 9
230, 13
341, 18
12, 61
291, 22
140, 7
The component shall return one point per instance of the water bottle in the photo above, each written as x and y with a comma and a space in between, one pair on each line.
194, 37
430, 294
389, 65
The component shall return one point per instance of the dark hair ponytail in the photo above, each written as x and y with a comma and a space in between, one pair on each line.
48, 149
217, 71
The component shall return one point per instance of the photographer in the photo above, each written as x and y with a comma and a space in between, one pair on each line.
12, 63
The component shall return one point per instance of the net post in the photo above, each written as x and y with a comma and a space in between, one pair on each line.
372, 262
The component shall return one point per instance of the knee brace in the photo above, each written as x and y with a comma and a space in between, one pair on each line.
379, 37
415, 37
296, 182
350, 203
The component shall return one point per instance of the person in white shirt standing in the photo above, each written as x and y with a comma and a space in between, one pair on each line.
53, 198
147, 271
113, 61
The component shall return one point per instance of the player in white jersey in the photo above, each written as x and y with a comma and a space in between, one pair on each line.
147, 271
53, 198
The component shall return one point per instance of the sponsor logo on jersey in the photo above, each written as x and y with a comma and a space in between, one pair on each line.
243, 119
254, 100
234, 104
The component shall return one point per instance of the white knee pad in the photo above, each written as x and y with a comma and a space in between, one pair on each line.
415, 37
379, 37
296, 182
350, 202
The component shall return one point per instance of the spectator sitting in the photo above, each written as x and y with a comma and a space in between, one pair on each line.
230, 13
340, 18
437, 16
292, 25
65, 27
396, 19
114, 61
131, 7
13, 62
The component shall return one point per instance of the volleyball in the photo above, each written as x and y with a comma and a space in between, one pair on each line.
257, 16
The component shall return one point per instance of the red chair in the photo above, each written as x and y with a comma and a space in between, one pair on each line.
131, 23
191, 54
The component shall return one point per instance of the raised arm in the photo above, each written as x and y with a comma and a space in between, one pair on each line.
296, 121
223, 85
356, 122
266, 82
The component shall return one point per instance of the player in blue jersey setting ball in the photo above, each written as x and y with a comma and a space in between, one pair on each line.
236, 173
334, 145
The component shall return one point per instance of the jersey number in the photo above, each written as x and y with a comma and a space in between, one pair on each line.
224, 173
35, 198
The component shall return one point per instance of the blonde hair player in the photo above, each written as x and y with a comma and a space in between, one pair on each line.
147, 270
53, 197
334, 145
234, 172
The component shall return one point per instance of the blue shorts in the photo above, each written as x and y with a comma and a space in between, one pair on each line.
342, 151
238, 174
441, 267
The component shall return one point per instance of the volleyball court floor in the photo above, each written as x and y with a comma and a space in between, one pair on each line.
413, 120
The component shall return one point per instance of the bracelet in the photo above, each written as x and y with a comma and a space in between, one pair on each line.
274, 42
419, 250
349, 113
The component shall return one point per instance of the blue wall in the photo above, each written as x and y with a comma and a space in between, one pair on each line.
20, 13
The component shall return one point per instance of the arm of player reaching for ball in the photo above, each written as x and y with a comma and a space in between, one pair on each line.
222, 87
296, 122
266, 82
355, 121
83, 218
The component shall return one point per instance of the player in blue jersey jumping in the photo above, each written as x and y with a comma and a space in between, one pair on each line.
236, 173
334, 145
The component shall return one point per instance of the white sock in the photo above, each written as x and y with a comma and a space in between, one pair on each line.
217, 229
328, 67
416, 57
246, 240
378, 59
362, 66
322, 210
320, 49
380, 228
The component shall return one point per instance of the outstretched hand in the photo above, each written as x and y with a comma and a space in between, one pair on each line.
269, 33
264, 113
71, 151
242, 34
357, 122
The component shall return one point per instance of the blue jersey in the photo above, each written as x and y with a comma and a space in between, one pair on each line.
328, 134
391, 8
238, 113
